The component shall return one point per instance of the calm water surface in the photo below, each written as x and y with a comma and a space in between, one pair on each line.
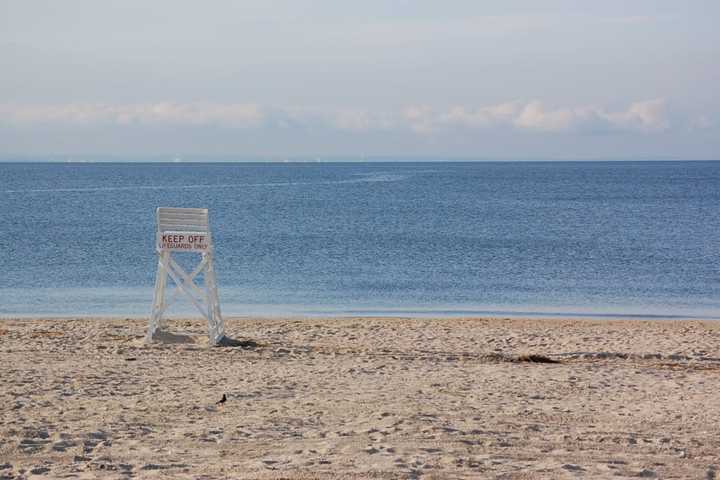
600, 238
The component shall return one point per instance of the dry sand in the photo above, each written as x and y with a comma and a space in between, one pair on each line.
361, 398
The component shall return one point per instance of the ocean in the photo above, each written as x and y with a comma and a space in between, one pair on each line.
605, 239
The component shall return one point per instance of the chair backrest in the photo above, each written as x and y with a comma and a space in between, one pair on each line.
183, 229
182, 219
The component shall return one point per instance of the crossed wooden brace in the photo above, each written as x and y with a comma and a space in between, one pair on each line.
185, 284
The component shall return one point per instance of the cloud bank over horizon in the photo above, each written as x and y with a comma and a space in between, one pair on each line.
293, 78
641, 117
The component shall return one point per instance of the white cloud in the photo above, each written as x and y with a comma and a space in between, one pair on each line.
360, 120
480, 117
650, 115
534, 116
344, 119
192, 114
419, 118
644, 116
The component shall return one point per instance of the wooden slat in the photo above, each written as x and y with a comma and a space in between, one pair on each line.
182, 219
181, 210
193, 218
181, 215
183, 228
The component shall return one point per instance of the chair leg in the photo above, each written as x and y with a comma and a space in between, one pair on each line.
158, 298
216, 326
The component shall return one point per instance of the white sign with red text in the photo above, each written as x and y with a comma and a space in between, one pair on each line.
183, 241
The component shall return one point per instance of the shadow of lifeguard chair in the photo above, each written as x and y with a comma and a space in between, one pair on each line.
186, 230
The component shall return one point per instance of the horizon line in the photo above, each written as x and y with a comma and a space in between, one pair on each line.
179, 159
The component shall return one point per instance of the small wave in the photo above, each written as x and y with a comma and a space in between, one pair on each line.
129, 187
364, 179
377, 177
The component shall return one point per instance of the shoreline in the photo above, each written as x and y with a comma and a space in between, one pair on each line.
383, 313
361, 397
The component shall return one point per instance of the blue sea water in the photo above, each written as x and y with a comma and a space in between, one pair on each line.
431, 238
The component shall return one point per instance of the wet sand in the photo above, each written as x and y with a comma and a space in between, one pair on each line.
361, 398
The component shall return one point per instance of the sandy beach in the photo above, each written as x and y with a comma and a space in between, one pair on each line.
361, 398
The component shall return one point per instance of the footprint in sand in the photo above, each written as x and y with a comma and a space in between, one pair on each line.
39, 470
213, 436
573, 468
34, 441
32, 445
93, 439
62, 445
168, 466
711, 473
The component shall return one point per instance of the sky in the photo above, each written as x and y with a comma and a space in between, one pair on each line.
331, 79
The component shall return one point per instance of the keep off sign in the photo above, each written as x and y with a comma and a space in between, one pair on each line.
183, 241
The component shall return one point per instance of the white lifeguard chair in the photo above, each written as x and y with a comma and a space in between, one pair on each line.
186, 230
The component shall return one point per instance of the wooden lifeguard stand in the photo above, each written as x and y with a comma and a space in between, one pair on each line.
186, 230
